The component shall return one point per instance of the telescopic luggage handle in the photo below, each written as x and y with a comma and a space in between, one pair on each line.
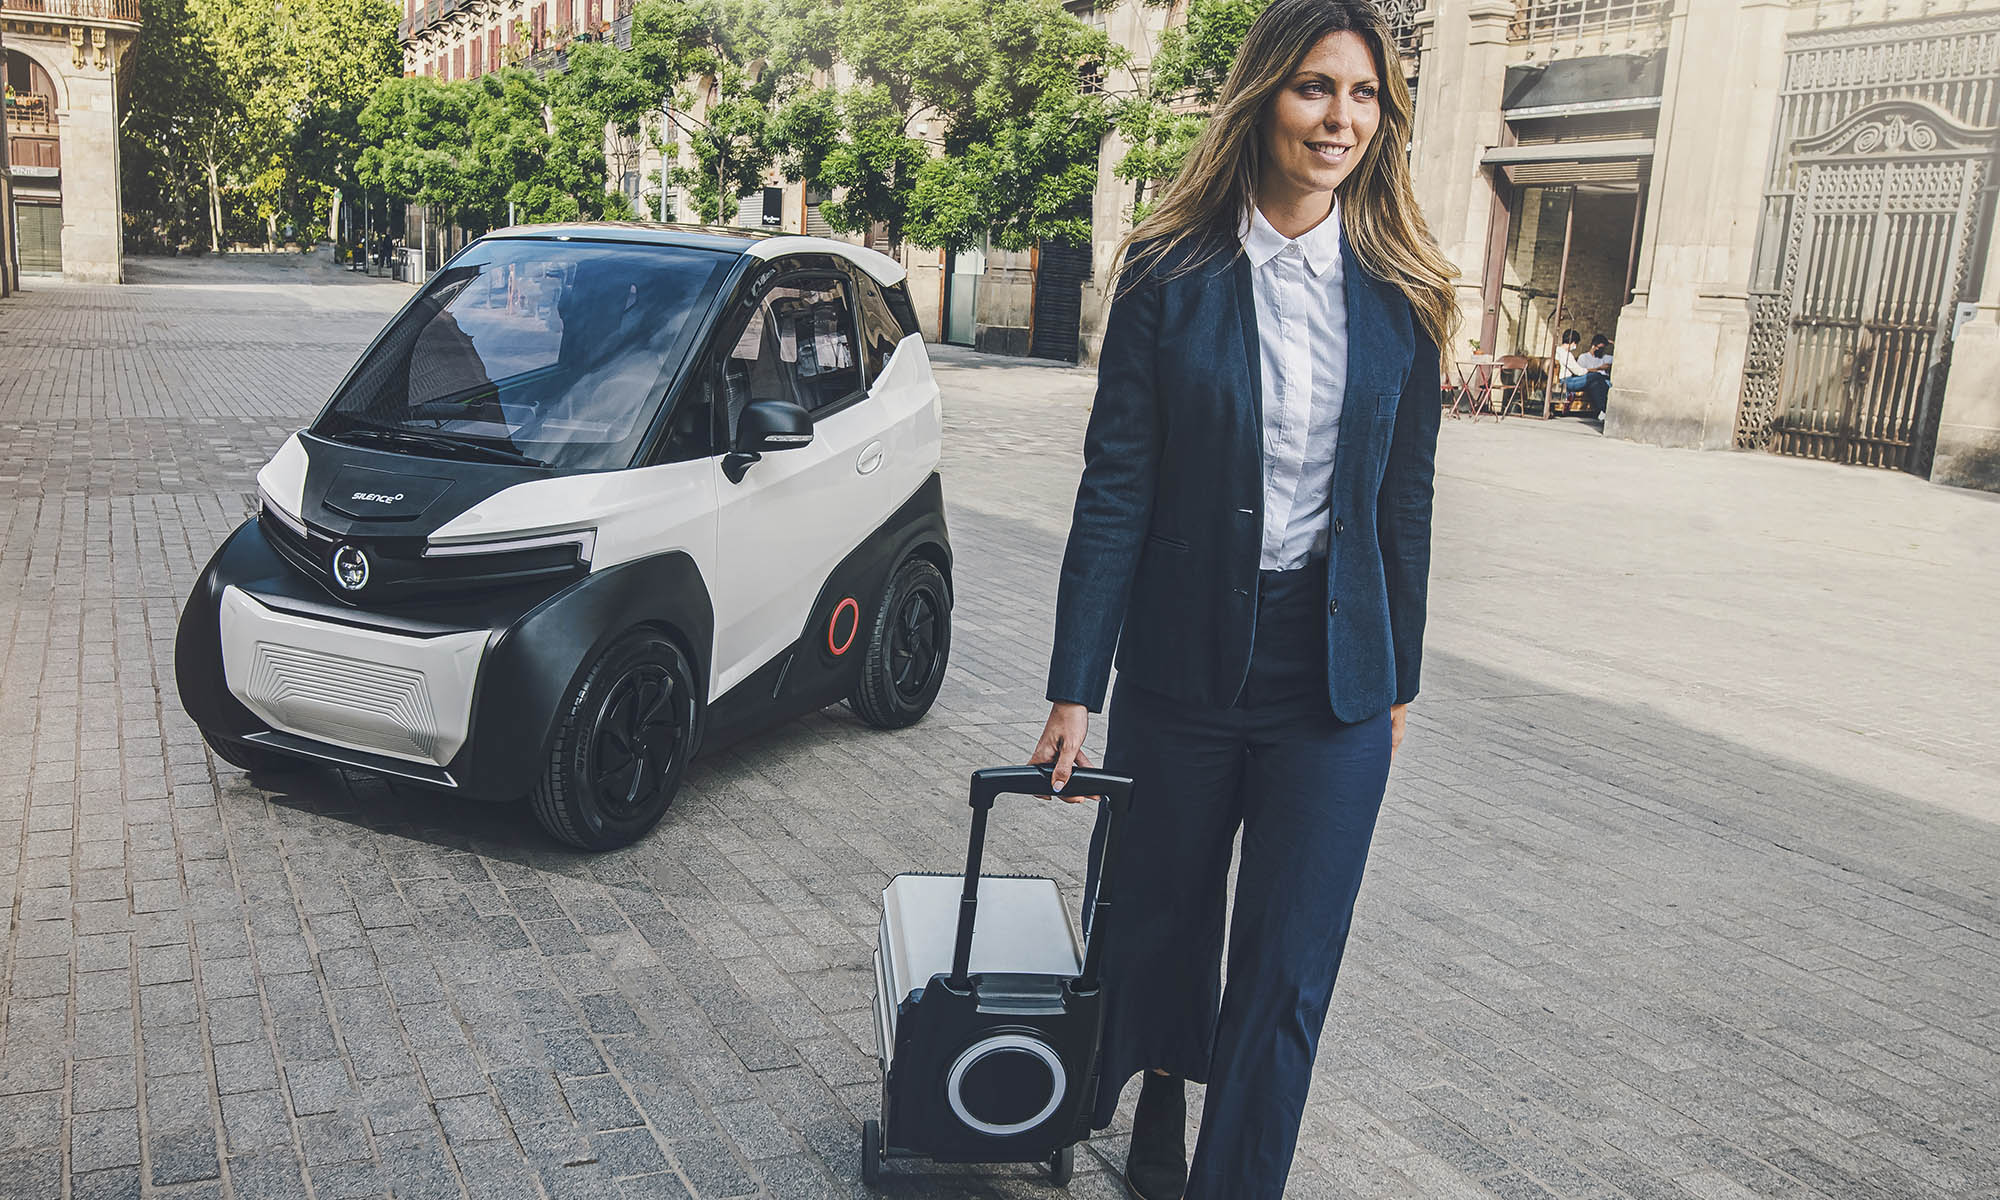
994, 782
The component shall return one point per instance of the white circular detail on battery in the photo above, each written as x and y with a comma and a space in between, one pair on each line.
350, 568
1011, 1045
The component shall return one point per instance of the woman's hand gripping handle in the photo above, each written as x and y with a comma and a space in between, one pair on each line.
1061, 745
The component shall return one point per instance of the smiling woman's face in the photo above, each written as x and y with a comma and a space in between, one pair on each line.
1320, 123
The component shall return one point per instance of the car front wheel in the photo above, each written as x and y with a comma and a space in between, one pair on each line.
907, 648
626, 734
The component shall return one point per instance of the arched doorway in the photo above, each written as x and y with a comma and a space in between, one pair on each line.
34, 152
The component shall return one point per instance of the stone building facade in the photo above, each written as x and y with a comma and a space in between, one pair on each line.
61, 61
1780, 209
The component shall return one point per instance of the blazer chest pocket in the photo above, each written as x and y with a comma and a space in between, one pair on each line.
1164, 542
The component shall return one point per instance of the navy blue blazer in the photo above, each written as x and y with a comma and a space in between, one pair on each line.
1164, 545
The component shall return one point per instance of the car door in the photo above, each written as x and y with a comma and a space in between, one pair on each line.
796, 513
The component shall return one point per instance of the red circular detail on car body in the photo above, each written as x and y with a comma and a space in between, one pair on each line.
847, 605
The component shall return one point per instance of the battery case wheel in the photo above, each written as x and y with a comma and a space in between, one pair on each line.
254, 759
908, 645
1062, 1166
622, 744
871, 1152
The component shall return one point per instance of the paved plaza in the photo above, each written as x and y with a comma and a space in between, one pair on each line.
1685, 886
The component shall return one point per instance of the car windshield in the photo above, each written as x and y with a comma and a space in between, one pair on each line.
550, 353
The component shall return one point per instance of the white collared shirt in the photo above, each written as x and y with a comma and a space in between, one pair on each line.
1299, 286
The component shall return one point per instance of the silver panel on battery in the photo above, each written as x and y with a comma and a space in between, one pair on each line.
1022, 927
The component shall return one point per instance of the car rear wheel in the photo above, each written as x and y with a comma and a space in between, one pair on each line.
254, 759
907, 649
626, 734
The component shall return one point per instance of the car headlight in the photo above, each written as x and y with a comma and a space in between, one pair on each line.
585, 541
280, 513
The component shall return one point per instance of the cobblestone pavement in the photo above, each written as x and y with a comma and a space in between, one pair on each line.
1684, 887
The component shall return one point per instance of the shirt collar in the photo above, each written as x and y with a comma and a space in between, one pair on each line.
1262, 242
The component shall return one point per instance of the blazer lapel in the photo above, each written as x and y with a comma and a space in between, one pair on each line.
1246, 318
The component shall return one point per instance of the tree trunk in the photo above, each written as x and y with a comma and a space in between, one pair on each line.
214, 203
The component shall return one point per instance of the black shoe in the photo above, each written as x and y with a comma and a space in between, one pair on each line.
1156, 1168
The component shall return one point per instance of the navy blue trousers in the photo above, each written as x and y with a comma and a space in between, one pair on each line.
1305, 789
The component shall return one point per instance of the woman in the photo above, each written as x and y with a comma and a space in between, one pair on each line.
1252, 533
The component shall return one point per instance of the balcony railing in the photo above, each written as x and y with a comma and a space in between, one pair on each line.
426, 15
30, 112
1402, 17
120, 11
1551, 28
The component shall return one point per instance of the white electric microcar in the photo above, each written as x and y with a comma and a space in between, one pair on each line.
597, 496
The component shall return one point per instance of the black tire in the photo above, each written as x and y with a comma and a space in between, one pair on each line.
254, 759
871, 1152
908, 645
599, 792
1062, 1166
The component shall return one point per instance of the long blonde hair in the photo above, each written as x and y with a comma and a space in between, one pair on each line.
1378, 207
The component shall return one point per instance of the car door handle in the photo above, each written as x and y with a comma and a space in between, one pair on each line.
871, 458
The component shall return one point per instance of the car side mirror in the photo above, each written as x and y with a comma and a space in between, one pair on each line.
765, 426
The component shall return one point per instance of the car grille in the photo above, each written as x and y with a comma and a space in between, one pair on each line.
367, 704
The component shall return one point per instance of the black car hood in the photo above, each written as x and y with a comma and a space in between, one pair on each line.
363, 492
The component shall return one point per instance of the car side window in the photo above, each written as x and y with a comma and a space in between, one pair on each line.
798, 345
880, 331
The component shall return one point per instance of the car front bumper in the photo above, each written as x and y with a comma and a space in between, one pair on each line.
369, 690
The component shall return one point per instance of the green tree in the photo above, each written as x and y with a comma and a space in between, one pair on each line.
468, 149
170, 127
338, 52
731, 142
417, 135
969, 118
1162, 119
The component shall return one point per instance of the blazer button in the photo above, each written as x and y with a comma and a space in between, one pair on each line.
1332, 608
1338, 527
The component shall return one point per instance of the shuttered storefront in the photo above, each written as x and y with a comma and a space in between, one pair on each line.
39, 229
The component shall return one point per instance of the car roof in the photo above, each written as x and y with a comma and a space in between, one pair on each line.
753, 243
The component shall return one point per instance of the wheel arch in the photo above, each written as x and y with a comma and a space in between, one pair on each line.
536, 662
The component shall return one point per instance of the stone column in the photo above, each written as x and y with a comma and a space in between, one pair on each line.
1458, 119
92, 235
1968, 443
1682, 340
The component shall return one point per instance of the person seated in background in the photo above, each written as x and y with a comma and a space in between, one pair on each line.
1597, 361
1576, 377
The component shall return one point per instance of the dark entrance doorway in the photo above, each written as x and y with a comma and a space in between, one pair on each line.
1061, 269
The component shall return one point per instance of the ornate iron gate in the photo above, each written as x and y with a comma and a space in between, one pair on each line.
1870, 232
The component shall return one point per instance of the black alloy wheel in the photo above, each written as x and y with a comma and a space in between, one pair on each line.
623, 743
913, 643
909, 645
635, 740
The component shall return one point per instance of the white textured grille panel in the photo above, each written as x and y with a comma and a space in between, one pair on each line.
407, 697
370, 703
